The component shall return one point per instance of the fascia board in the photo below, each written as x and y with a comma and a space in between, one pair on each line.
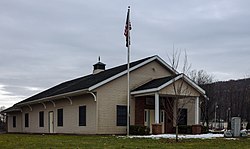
144, 91
131, 69
158, 88
170, 82
190, 82
10, 110
121, 73
53, 97
167, 65
199, 89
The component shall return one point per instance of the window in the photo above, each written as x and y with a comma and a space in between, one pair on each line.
59, 117
14, 121
183, 117
41, 119
121, 115
82, 116
26, 120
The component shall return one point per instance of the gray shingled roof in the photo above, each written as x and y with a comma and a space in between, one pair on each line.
82, 82
155, 83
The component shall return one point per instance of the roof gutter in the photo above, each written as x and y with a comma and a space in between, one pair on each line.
78, 92
14, 109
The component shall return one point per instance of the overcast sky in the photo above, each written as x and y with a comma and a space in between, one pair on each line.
46, 42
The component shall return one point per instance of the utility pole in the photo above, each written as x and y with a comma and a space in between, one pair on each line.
216, 106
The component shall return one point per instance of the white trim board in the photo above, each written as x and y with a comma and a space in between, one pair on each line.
190, 82
131, 69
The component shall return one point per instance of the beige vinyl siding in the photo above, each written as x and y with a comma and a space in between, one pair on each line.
190, 112
18, 127
189, 104
185, 89
115, 93
70, 116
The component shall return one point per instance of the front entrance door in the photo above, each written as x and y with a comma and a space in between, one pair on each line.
149, 119
51, 122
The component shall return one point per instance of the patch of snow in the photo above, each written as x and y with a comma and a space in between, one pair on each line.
181, 136
212, 130
231, 138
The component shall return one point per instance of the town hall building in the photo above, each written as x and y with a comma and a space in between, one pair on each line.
97, 103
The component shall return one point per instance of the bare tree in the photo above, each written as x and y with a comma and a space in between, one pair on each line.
2, 118
181, 91
201, 77
2, 108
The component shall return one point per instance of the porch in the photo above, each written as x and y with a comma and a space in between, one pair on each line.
159, 114
159, 107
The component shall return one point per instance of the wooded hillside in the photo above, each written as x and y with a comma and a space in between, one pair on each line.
232, 98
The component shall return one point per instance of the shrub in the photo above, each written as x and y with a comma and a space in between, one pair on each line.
184, 129
138, 130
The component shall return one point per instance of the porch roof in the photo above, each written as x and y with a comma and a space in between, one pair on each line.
154, 83
160, 83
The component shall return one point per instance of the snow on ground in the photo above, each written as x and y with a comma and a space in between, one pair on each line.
172, 136
232, 138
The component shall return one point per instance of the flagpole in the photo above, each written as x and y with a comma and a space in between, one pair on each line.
128, 79
128, 93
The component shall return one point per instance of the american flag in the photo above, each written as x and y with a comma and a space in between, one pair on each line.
127, 28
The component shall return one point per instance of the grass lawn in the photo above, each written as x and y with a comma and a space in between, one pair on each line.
28, 141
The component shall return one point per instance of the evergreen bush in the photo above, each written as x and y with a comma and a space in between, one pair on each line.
184, 129
138, 130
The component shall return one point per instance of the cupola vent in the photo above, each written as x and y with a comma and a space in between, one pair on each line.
99, 66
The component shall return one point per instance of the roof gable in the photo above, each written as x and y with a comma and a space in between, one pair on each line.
160, 83
156, 83
93, 81
133, 67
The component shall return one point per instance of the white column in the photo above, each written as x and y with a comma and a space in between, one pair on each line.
157, 108
197, 111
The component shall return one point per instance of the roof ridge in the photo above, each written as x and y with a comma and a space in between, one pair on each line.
143, 59
83, 82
